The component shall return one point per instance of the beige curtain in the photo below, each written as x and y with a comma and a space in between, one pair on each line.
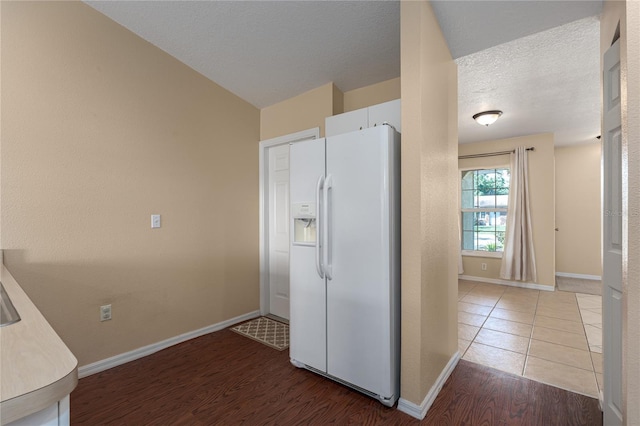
518, 259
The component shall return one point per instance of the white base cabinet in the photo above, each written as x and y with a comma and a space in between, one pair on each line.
54, 415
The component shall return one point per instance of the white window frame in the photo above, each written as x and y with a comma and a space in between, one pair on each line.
479, 253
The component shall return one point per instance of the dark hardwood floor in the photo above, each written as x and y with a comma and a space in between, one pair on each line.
226, 379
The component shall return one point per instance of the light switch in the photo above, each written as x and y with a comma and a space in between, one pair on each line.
155, 221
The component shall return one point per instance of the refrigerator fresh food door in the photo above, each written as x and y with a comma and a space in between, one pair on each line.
307, 328
360, 347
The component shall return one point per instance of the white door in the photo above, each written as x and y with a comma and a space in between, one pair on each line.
612, 297
358, 254
279, 231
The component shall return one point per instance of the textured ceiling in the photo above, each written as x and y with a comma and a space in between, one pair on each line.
268, 51
546, 82
474, 25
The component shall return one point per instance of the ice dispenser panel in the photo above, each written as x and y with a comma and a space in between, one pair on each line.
304, 223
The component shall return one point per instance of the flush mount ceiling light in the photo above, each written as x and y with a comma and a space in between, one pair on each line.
487, 117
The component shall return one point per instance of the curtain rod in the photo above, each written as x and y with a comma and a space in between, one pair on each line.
491, 154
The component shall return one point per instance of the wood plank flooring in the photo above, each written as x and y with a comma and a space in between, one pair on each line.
226, 379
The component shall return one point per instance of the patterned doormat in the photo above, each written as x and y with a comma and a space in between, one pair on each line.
264, 330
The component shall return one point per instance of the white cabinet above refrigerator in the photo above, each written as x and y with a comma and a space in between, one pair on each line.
359, 119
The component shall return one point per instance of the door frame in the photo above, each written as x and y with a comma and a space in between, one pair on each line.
263, 172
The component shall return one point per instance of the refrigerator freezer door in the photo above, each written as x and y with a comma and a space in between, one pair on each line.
359, 295
308, 291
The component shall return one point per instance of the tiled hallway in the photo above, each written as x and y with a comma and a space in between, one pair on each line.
552, 337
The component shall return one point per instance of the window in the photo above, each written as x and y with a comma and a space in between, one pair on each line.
484, 200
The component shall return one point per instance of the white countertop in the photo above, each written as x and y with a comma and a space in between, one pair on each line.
36, 367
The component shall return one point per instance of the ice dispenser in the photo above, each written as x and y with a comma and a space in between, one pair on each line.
304, 223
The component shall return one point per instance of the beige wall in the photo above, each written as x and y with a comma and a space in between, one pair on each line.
628, 14
429, 170
578, 210
374, 94
338, 101
542, 183
100, 129
1, 255
301, 112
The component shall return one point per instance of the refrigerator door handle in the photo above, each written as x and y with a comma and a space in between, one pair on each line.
319, 187
326, 227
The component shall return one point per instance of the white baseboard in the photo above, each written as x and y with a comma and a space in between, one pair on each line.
579, 276
420, 411
114, 361
520, 284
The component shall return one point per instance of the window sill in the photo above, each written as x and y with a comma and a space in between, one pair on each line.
491, 254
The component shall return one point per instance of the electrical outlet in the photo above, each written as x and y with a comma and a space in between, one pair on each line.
155, 221
484, 266
105, 312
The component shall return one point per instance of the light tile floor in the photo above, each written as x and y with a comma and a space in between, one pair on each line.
551, 337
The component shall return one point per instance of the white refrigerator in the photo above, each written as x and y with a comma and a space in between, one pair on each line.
345, 259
